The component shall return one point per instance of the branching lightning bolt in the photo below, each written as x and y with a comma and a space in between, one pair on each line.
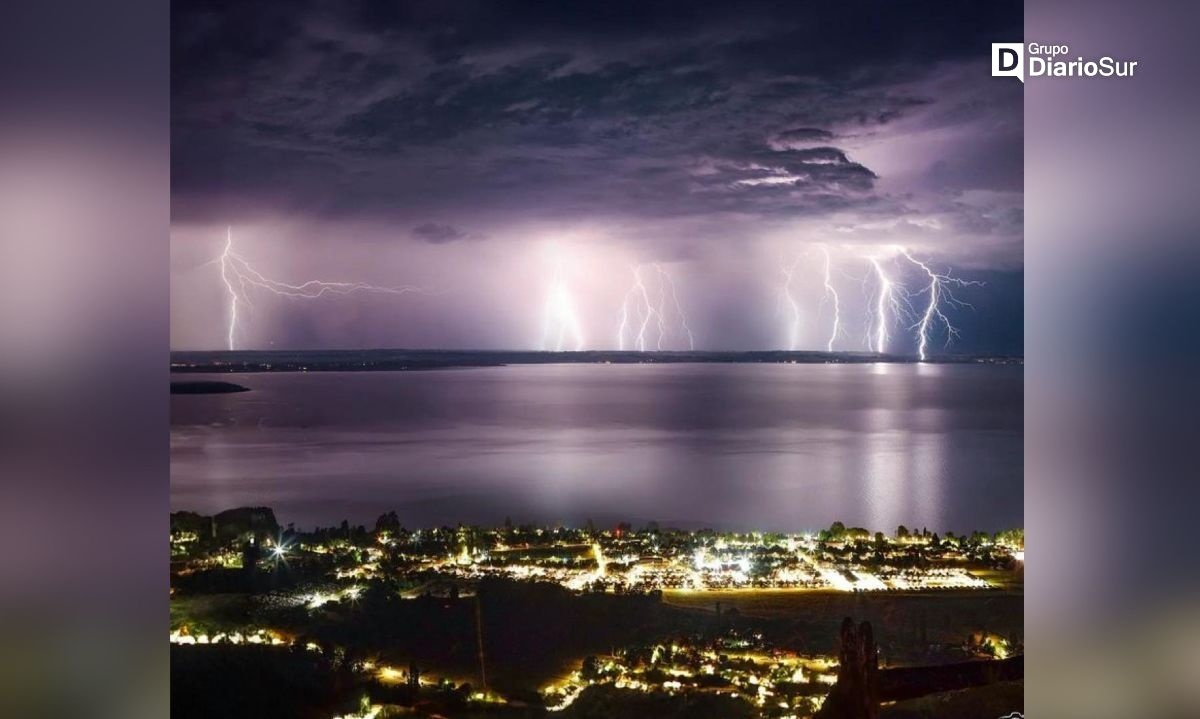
890, 303
941, 292
648, 309
831, 292
662, 307
239, 276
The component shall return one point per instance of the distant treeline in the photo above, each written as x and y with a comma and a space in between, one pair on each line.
401, 360
261, 521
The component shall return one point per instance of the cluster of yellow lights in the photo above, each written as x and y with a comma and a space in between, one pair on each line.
252, 636
727, 566
319, 599
756, 684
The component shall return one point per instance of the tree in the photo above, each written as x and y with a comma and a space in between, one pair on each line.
591, 668
388, 522
902, 532
250, 556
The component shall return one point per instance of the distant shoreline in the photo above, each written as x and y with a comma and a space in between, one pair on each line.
225, 361
206, 387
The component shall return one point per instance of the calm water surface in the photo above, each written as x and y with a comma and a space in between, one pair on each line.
773, 447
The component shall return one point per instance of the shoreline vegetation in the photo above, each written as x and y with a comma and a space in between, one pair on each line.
393, 360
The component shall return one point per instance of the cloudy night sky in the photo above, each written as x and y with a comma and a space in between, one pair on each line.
506, 155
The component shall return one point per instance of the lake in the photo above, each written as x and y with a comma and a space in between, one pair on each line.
777, 447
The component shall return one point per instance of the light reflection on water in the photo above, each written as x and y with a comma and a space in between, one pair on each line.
784, 447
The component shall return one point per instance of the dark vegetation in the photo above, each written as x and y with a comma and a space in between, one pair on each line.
255, 681
862, 686
989, 702
912, 682
608, 702
531, 632
918, 628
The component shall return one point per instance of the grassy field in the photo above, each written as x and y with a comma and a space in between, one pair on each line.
774, 603
212, 613
1007, 580
904, 623
533, 633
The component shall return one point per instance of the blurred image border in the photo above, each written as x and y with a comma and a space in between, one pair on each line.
1112, 256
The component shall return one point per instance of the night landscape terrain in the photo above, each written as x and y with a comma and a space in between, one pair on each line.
524, 620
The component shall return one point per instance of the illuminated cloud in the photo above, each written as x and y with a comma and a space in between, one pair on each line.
382, 136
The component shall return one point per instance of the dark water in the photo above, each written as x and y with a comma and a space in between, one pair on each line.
773, 447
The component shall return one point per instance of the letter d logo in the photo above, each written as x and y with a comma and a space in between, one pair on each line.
1008, 60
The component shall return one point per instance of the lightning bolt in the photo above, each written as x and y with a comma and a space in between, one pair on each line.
831, 292
668, 282
790, 306
239, 276
890, 302
558, 316
648, 309
662, 307
941, 292
624, 324
233, 295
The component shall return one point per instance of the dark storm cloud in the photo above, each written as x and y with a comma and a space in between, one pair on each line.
393, 109
438, 234
802, 137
